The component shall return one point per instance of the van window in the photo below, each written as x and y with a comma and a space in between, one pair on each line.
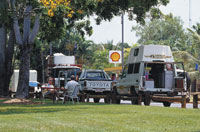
136, 51
137, 68
124, 71
130, 68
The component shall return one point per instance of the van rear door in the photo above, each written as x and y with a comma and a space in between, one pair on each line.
180, 77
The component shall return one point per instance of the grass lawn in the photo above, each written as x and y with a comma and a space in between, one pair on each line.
90, 117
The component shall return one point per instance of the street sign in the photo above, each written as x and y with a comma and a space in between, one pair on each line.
115, 56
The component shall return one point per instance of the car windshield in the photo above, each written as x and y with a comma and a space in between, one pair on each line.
95, 75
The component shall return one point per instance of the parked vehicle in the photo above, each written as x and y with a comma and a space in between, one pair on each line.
59, 70
96, 84
62, 74
61, 67
150, 70
33, 84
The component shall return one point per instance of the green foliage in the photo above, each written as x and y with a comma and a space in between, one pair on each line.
188, 60
195, 41
51, 28
101, 59
155, 13
5, 14
125, 45
165, 31
197, 28
107, 9
39, 52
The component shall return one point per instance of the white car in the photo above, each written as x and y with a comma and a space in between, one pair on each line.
95, 82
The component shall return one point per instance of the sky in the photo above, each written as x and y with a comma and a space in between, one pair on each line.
112, 31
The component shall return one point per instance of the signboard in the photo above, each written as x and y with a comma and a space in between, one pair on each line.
115, 56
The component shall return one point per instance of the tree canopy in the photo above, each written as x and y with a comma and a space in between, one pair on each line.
167, 30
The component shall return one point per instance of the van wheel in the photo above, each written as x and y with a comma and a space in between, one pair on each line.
96, 100
166, 104
147, 98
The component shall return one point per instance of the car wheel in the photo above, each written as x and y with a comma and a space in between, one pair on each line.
167, 104
147, 98
96, 100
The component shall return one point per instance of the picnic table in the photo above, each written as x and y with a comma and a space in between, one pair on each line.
54, 91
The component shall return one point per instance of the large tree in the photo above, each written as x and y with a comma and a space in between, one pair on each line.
7, 41
24, 38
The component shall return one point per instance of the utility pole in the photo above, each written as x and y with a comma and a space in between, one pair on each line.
50, 50
122, 39
190, 19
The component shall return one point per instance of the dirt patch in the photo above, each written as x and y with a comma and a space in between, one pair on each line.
19, 101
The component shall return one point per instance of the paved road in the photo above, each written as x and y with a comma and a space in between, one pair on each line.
176, 105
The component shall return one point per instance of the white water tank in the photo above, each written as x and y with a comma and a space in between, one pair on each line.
60, 58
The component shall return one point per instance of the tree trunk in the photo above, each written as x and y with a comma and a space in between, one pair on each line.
2, 58
25, 49
23, 83
8, 62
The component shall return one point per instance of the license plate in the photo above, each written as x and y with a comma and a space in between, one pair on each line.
98, 84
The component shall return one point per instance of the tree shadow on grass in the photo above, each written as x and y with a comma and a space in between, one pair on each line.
23, 109
46, 107
10, 111
46, 102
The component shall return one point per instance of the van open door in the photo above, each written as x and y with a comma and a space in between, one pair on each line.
180, 77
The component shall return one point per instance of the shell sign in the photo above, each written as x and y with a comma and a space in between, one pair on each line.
114, 56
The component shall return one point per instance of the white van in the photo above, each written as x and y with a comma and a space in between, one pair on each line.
149, 70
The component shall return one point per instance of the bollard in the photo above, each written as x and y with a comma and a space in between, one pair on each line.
195, 101
183, 101
139, 99
88, 99
54, 96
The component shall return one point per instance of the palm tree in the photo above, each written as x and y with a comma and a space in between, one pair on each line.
189, 63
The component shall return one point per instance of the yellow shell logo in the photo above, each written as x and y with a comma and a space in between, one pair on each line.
115, 56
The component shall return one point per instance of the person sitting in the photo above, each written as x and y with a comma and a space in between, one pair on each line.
71, 85
169, 67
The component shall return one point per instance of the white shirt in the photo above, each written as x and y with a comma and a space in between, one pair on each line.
70, 86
